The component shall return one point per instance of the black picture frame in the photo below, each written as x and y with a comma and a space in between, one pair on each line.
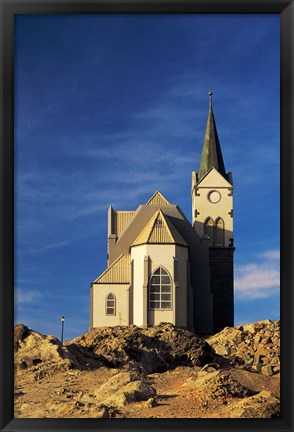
9, 8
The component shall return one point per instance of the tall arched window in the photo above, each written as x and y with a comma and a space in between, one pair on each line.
219, 232
110, 304
208, 229
160, 290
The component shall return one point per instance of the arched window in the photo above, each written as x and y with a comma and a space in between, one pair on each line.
160, 290
110, 304
208, 229
219, 232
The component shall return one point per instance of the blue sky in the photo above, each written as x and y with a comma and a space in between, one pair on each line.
110, 108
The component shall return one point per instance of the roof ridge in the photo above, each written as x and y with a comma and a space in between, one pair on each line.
166, 223
169, 225
151, 221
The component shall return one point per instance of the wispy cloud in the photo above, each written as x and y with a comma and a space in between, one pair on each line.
49, 247
138, 169
271, 254
260, 279
26, 296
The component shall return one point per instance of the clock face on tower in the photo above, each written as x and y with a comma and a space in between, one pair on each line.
214, 197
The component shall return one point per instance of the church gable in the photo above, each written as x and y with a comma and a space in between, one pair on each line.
158, 199
213, 179
159, 230
117, 272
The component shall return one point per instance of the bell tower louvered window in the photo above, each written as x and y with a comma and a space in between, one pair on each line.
219, 232
208, 229
160, 290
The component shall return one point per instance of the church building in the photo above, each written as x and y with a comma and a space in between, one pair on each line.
163, 268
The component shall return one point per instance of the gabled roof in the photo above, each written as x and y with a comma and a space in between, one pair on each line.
211, 156
122, 218
140, 219
214, 179
157, 199
159, 230
117, 272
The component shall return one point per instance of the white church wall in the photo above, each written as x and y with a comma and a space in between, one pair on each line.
162, 255
121, 317
159, 255
138, 254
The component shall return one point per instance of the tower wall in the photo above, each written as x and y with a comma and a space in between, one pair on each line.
221, 262
212, 200
204, 206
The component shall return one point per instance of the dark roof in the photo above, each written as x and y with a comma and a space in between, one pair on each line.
142, 216
211, 156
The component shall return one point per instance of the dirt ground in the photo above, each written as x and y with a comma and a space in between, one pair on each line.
180, 394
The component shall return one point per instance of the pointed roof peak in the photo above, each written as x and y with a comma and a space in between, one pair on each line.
211, 156
157, 199
160, 230
210, 98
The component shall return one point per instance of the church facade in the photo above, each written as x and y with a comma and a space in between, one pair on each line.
163, 268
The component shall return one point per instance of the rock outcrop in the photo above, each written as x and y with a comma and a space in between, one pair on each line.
254, 346
45, 354
146, 349
218, 384
160, 371
261, 405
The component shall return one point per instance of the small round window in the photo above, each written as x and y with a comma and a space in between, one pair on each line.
214, 197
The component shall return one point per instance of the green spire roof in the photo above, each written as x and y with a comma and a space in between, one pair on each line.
211, 156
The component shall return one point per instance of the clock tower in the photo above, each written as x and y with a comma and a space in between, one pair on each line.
212, 218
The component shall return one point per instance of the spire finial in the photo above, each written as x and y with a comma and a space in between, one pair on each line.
210, 97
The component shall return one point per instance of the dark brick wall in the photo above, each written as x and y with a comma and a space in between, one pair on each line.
221, 262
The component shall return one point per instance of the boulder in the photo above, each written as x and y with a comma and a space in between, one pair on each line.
138, 391
261, 405
252, 346
150, 403
114, 385
267, 370
117, 400
124, 388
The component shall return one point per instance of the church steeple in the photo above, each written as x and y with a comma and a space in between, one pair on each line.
211, 156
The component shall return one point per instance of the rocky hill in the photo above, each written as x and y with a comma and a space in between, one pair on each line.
159, 371
254, 346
